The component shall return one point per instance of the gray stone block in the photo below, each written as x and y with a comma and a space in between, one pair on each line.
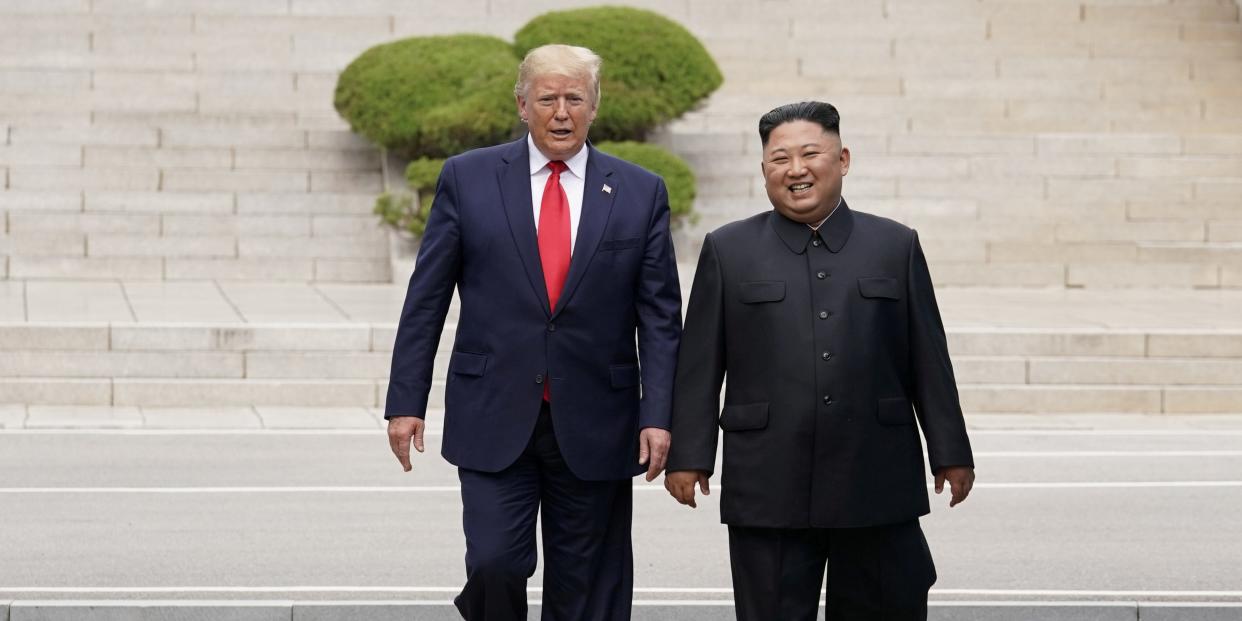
236, 180
161, 202
374, 611
1208, 611
39, 391
302, 203
1033, 611
121, 268
57, 336
284, 270
149, 611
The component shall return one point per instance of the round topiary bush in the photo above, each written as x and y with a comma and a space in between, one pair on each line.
676, 172
654, 69
431, 96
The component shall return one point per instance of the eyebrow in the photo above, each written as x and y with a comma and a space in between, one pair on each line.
809, 144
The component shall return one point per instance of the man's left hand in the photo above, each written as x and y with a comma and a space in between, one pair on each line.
653, 445
961, 479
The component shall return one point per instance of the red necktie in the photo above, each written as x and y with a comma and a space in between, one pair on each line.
554, 250
554, 233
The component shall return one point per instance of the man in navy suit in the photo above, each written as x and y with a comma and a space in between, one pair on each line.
562, 259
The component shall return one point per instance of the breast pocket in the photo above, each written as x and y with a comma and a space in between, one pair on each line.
879, 288
761, 291
612, 245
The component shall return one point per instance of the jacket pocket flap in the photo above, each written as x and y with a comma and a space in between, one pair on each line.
465, 363
620, 244
744, 417
879, 288
623, 375
895, 412
761, 291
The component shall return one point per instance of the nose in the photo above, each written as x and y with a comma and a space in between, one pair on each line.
562, 109
797, 167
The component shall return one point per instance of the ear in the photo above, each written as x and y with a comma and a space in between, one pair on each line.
845, 161
521, 106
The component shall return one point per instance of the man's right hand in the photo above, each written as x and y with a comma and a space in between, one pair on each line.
681, 485
400, 430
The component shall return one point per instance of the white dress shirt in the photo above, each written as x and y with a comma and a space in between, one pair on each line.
573, 181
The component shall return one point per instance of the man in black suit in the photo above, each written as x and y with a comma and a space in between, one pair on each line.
825, 321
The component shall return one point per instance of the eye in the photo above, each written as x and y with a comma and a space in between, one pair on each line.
780, 160
810, 154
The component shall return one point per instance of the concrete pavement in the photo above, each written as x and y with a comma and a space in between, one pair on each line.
1104, 515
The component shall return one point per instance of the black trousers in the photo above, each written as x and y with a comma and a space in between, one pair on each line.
880, 573
588, 570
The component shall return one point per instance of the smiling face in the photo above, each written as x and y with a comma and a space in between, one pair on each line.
802, 170
558, 110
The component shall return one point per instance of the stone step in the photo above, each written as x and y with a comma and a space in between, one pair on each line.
989, 398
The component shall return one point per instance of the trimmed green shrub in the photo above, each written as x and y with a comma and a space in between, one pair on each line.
431, 96
677, 174
654, 69
399, 210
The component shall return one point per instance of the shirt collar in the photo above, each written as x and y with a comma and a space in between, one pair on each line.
815, 227
835, 231
539, 161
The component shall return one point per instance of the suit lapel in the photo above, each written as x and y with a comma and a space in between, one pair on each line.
514, 177
596, 207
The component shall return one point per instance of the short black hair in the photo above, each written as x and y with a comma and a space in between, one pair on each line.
825, 114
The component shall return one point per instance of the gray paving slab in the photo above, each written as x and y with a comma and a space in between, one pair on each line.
276, 417
76, 301
82, 416
13, 301
377, 611
200, 418
179, 302
1029, 611
281, 302
1216, 611
12, 416
148, 611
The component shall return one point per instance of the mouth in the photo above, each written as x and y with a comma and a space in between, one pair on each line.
561, 133
800, 188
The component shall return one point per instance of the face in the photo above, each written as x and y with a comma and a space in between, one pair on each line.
558, 110
802, 170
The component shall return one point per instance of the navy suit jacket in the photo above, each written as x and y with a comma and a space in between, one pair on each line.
621, 304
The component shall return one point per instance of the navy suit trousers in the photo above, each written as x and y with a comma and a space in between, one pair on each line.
589, 565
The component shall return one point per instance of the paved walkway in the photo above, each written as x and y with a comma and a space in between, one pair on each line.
61, 301
1096, 519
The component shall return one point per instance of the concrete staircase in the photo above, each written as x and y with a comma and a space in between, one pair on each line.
187, 222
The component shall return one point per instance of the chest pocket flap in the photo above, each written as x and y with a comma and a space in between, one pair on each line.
759, 291
881, 287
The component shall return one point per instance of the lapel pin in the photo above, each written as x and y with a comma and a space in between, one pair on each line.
607, 189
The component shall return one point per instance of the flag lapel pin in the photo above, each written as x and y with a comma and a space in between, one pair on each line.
607, 189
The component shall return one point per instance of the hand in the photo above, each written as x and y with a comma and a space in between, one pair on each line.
681, 485
653, 445
961, 479
400, 430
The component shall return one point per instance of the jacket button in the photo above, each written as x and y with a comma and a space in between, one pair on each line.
821, 275
539, 379
823, 314
551, 327
826, 355
827, 399
815, 242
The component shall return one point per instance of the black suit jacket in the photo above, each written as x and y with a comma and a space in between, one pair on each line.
833, 346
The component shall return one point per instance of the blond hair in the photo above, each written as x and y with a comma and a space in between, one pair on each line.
556, 59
